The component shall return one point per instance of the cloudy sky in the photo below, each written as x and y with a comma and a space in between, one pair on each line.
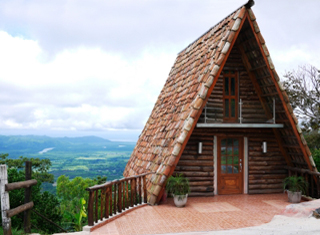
96, 67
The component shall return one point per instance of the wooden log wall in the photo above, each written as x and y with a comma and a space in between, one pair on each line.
266, 170
198, 168
252, 111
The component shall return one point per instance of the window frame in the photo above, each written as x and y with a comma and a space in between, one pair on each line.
229, 75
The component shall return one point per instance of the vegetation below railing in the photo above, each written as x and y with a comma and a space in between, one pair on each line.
311, 177
115, 197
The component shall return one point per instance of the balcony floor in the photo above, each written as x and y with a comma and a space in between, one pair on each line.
200, 214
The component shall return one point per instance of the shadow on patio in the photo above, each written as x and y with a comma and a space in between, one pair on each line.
200, 214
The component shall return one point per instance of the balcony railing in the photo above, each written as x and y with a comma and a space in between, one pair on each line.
248, 112
116, 197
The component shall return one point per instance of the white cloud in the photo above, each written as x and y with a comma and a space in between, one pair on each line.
294, 56
79, 89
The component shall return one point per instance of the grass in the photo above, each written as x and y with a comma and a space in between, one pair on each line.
14, 231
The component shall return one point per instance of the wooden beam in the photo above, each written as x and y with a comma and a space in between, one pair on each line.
256, 68
303, 148
21, 184
252, 76
296, 154
268, 85
291, 146
269, 94
265, 76
19, 209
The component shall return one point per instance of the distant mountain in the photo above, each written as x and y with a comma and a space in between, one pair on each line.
23, 145
85, 140
87, 156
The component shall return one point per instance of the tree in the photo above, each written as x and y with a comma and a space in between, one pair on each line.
303, 89
40, 167
70, 193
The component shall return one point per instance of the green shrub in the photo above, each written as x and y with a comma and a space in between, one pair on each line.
295, 184
178, 185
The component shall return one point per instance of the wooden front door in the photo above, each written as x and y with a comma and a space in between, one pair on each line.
230, 165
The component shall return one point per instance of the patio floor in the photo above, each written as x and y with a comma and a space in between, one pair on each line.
200, 214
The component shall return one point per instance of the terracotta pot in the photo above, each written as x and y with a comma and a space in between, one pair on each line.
294, 197
180, 200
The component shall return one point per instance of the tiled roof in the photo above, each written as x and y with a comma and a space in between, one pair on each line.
179, 105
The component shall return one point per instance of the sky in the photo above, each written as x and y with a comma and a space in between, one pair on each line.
80, 67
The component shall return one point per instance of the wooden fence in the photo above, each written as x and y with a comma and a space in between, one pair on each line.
115, 197
313, 179
6, 212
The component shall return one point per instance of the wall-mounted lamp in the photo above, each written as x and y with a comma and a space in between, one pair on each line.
200, 148
264, 146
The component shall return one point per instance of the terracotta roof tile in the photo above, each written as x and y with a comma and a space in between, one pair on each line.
251, 15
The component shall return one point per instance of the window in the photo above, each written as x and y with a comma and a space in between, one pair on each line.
230, 96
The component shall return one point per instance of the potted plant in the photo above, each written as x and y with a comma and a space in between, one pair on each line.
295, 185
179, 187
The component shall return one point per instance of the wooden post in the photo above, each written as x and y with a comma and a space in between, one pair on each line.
106, 212
5, 204
110, 201
96, 206
140, 190
102, 195
127, 194
144, 189
132, 192
90, 208
115, 199
119, 197
124, 195
27, 199
312, 186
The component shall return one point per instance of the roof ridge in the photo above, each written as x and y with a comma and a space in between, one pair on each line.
244, 5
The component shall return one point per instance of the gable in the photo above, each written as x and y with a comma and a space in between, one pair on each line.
251, 109
191, 81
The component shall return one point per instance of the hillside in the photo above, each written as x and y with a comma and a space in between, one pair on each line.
88, 156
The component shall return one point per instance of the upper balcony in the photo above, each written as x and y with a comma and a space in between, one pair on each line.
248, 114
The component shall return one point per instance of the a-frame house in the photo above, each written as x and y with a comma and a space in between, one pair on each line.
222, 118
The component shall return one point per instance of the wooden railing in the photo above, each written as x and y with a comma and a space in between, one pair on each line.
114, 197
27, 207
5, 188
313, 179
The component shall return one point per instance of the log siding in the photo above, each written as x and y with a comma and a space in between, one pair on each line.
265, 170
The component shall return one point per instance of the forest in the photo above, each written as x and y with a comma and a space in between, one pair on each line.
87, 157
64, 168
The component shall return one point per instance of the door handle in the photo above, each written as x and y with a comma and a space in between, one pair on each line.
240, 167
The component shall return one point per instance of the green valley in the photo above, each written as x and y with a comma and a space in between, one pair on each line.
88, 156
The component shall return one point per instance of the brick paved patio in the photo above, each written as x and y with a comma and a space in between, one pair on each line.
200, 214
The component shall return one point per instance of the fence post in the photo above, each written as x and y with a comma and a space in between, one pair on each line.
5, 204
27, 198
145, 197
90, 208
